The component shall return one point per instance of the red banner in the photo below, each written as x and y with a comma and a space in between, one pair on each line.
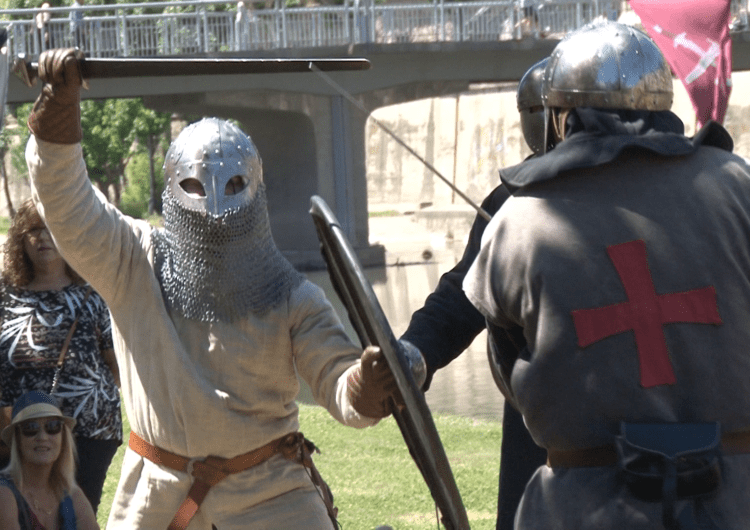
694, 37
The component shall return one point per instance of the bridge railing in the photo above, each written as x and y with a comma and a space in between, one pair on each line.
212, 26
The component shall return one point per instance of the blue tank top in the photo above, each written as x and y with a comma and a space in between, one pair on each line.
28, 521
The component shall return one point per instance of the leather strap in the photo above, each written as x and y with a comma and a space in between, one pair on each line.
66, 344
604, 455
304, 456
732, 443
207, 472
735, 443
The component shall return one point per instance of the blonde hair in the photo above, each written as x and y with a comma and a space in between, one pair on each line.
62, 478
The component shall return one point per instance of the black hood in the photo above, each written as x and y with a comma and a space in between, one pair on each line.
596, 137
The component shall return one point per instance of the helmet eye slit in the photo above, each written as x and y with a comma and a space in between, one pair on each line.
193, 187
235, 185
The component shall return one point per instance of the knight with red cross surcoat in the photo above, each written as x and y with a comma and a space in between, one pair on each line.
620, 267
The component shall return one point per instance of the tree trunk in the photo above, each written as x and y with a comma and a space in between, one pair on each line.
6, 188
103, 187
152, 188
116, 187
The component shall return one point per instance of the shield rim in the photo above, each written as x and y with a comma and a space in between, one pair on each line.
372, 327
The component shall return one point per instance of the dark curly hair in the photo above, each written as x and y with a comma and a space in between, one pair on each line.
18, 269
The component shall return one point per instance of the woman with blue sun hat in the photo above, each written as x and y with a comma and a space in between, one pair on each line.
38, 488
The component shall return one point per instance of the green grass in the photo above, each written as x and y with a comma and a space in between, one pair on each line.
386, 213
113, 475
375, 481
4, 225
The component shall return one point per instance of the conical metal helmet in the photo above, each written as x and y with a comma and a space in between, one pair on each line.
607, 65
211, 153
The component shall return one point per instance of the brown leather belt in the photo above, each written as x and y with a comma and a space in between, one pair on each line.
211, 470
732, 443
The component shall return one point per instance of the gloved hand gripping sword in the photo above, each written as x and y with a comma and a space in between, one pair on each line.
56, 115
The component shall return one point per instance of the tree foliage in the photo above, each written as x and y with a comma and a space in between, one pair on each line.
137, 196
113, 131
152, 131
107, 139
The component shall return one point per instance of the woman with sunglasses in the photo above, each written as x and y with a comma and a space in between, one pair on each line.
46, 305
38, 489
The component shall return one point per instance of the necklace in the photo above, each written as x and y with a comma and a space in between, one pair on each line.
39, 507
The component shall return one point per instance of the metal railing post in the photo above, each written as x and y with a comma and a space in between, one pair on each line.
125, 36
441, 32
119, 30
284, 41
204, 20
351, 22
371, 26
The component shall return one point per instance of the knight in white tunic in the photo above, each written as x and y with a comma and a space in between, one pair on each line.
211, 325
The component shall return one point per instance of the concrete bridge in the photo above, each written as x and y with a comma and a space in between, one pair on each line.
310, 137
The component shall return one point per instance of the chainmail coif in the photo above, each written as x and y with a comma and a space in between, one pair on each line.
221, 268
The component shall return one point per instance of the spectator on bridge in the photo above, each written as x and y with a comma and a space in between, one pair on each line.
41, 19
530, 20
243, 25
77, 30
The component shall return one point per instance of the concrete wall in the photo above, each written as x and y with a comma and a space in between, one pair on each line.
486, 138
467, 152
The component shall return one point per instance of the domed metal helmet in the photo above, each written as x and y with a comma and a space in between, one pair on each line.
607, 65
531, 107
212, 167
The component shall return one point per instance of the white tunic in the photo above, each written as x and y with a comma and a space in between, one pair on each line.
194, 388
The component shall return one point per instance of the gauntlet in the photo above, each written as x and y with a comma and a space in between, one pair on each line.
371, 385
56, 115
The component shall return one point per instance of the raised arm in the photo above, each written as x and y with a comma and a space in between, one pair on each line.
93, 236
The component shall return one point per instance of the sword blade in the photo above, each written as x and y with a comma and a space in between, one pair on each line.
116, 67
154, 66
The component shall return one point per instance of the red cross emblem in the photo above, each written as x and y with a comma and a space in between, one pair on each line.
645, 313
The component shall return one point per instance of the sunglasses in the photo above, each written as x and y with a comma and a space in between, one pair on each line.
32, 428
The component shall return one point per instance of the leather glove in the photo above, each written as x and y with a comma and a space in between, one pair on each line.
371, 385
56, 115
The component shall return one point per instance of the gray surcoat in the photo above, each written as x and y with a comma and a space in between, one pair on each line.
629, 282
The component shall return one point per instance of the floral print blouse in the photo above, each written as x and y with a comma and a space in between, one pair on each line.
34, 327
